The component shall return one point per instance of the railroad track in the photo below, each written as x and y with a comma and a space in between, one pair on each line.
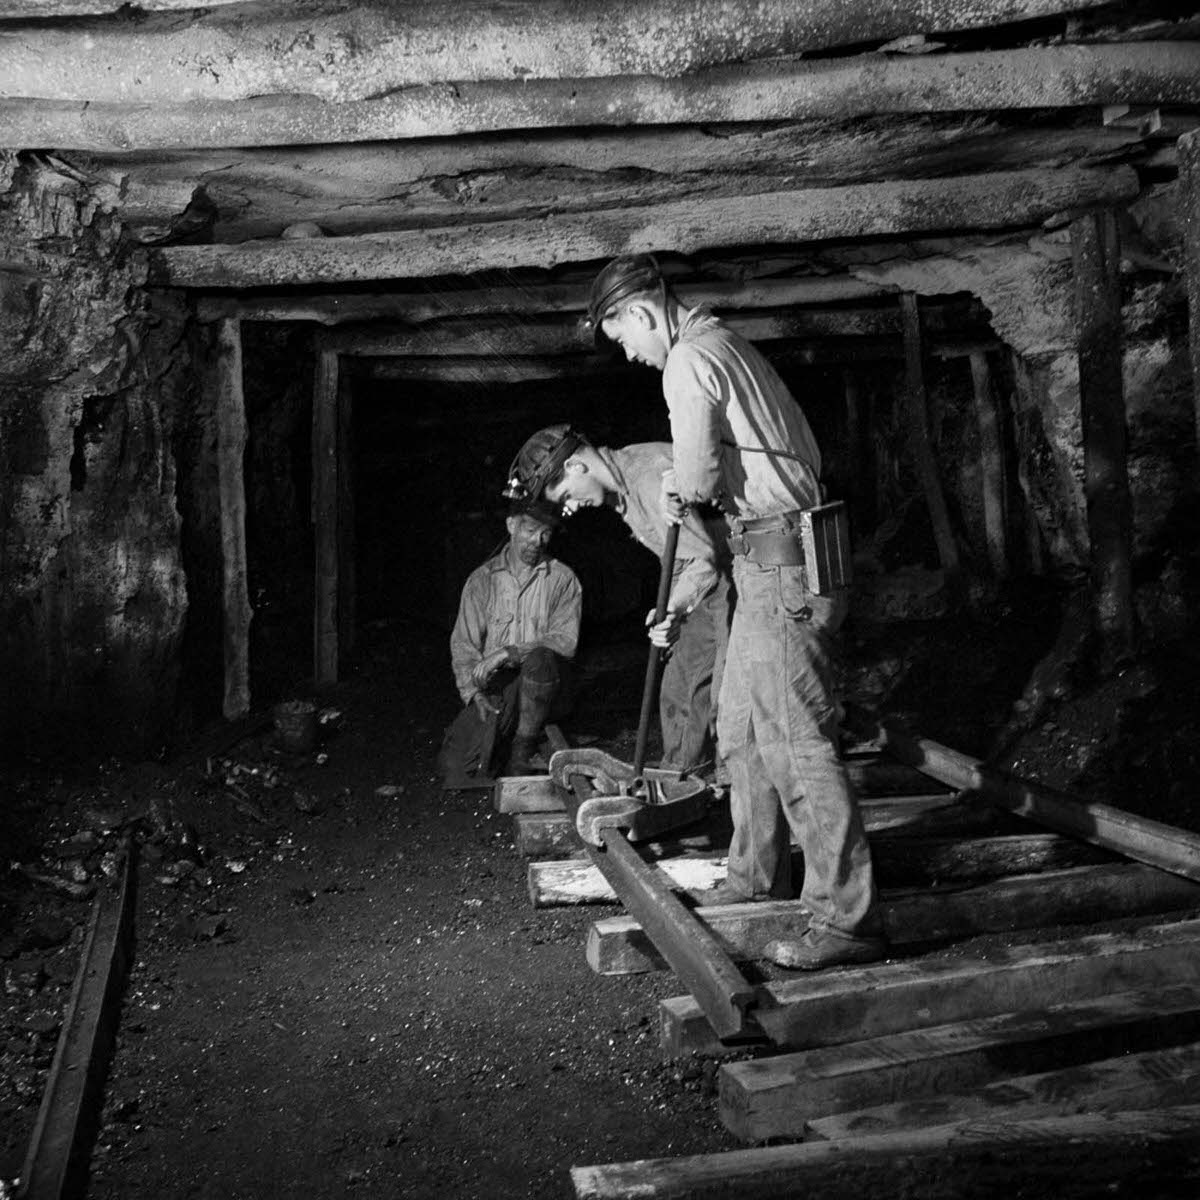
1073, 1046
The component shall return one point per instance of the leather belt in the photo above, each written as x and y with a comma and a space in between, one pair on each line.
768, 547
778, 522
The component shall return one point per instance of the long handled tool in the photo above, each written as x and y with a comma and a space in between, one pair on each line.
642, 803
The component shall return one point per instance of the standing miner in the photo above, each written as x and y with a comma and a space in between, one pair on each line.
561, 466
518, 624
741, 439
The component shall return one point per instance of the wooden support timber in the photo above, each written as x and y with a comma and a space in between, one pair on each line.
381, 49
875, 778
325, 495
899, 862
987, 201
1134, 1082
503, 335
1189, 204
1071, 1158
549, 833
833, 1007
723, 993
991, 455
347, 577
838, 89
777, 1097
1096, 254
919, 441
1147, 841
417, 307
1073, 896
236, 613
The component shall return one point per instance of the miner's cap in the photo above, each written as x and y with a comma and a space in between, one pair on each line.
539, 460
628, 275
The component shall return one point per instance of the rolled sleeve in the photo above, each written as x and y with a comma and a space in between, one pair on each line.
469, 634
694, 402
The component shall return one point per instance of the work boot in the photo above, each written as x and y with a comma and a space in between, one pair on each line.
820, 948
726, 893
523, 758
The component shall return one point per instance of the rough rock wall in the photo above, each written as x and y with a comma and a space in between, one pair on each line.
92, 598
1028, 289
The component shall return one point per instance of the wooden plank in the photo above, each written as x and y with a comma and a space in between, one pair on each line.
1069, 1158
339, 54
994, 200
1136, 1082
528, 794
1189, 214
56, 1163
899, 862
919, 442
347, 597
777, 1097
1139, 838
325, 517
1028, 77
1096, 255
236, 613
992, 473
1077, 895
836, 1006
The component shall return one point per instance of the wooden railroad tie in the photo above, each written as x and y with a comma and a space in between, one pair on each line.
833, 1007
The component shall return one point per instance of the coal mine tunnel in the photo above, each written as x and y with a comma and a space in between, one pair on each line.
599, 601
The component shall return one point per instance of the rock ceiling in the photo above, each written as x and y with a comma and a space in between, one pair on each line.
331, 146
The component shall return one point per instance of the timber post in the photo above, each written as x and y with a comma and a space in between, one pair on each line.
1189, 204
325, 516
991, 454
919, 440
1095, 253
236, 612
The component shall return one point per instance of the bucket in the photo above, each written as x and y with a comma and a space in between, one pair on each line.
296, 725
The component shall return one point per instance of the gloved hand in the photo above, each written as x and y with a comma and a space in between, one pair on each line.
483, 706
666, 633
670, 506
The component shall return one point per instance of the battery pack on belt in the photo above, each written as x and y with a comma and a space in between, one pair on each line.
818, 540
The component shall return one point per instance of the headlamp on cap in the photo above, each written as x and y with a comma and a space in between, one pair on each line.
540, 460
625, 277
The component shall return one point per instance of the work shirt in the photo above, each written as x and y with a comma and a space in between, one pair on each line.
727, 406
506, 603
702, 553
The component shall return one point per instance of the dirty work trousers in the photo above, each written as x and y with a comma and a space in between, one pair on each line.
691, 682
777, 725
530, 695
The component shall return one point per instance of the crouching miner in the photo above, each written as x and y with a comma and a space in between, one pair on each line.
517, 627
740, 438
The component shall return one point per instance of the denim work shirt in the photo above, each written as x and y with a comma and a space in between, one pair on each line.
740, 437
505, 603
703, 553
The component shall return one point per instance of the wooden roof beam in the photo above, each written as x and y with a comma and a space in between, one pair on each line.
1158, 73
993, 200
341, 53
550, 298
507, 335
